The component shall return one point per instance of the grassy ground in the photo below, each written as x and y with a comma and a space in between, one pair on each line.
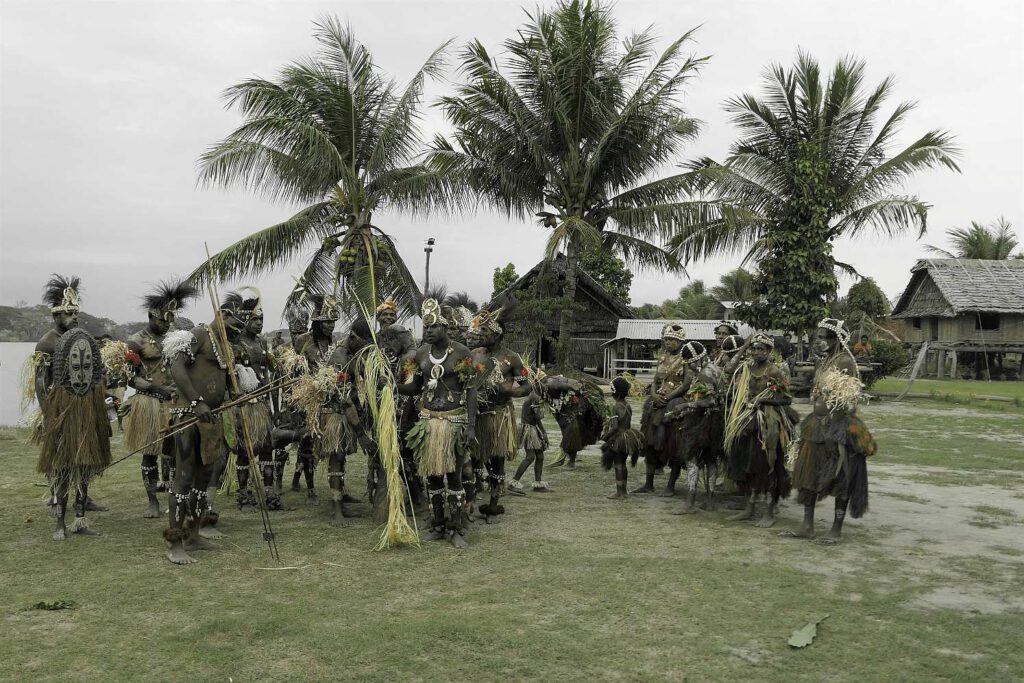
953, 389
569, 586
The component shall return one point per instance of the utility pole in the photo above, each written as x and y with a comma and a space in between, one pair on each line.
427, 250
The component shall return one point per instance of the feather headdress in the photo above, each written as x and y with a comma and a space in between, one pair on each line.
169, 296
61, 293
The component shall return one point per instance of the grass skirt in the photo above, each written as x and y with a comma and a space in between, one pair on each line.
436, 441
145, 420
75, 434
580, 428
497, 434
821, 470
625, 445
336, 436
257, 419
532, 438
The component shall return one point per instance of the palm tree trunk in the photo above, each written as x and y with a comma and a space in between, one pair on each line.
566, 323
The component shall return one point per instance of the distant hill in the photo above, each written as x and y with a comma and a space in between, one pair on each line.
30, 323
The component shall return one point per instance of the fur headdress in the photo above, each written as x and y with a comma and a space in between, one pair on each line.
837, 326
763, 339
487, 320
61, 293
673, 331
167, 298
388, 305
431, 313
325, 307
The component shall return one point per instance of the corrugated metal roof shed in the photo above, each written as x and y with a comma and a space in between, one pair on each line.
701, 330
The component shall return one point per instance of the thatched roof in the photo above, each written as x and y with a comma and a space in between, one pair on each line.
615, 307
946, 288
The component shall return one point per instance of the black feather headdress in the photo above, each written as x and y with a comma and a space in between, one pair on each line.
169, 296
61, 293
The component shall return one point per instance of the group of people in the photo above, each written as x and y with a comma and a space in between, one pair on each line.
729, 415
217, 403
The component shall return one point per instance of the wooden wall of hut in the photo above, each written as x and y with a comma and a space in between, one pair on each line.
966, 327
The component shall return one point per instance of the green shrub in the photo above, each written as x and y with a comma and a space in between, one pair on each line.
890, 354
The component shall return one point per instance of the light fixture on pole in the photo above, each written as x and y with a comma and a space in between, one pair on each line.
427, 250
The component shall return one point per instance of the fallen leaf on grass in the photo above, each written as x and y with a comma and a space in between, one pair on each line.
802, 637
54, 605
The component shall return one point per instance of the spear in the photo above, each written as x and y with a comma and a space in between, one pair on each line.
280, 383
229, 360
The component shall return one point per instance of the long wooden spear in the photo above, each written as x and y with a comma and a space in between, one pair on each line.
229, 360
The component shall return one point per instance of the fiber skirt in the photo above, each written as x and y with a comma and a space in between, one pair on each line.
757, 469
497, 434
532, 438
822, 468
147, 417
700, 438
625, 445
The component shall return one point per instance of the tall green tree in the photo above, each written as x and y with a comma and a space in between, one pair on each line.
503, 278
610, 272
993, 242
736, 285
336, 134
571, 127
816, 161
694, 302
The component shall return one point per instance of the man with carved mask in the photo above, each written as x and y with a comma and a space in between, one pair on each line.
148, 413
667, 390
75, 434
197, 363
444, 373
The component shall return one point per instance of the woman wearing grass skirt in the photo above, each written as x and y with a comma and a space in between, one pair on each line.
758, 430
834, 442
662, 436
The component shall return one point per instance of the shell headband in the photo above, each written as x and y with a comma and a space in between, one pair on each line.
762, 338
430, 311
70, 302
673, 331
693, 352
485, 320
837, 326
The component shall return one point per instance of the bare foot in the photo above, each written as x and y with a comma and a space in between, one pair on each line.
803, 532
766, 522
644, 489
59, 534
86, 531
177, 555
618, 495
153, 511
437, 535
686, 509
311, 498
210, 533
458, 541
833, 537
748, 513
197, 542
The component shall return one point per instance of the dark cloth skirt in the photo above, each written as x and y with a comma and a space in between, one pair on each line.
662, 438
822, 471
754, 469
700, 438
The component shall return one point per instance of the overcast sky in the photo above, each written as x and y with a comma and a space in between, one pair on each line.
105, 106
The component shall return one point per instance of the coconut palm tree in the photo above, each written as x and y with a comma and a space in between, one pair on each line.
336, 134
736, 285
572, 127
800, 130
994, 242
